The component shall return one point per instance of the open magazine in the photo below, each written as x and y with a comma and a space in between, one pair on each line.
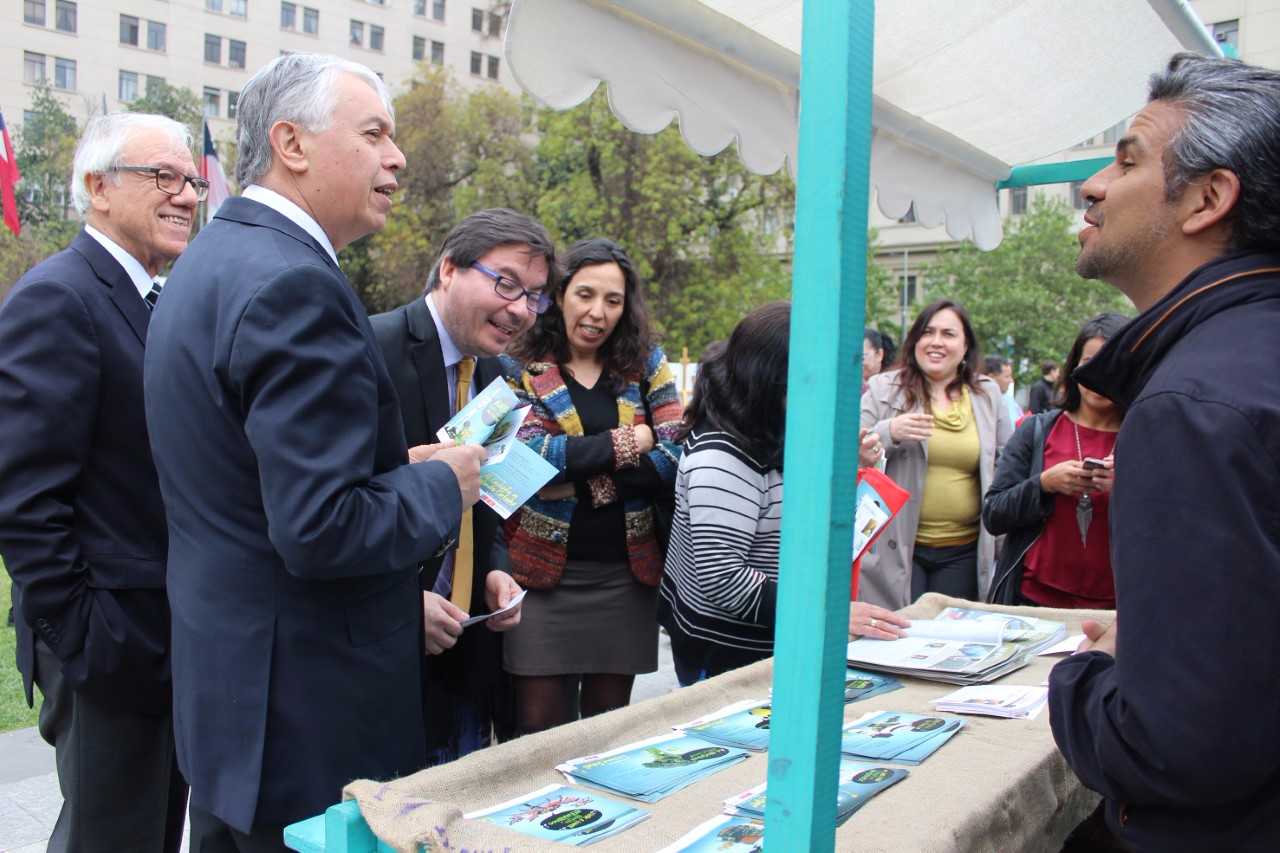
511, 473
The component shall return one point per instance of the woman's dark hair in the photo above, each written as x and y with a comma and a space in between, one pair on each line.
1103, 326
884, 343
742, 390
624, 352
912, 379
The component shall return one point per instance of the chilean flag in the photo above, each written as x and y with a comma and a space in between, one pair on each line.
9, 175
211, 171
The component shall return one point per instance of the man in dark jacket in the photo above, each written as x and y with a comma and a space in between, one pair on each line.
1040, 396
1169, 711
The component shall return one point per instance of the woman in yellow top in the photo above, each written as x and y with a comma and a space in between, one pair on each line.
942, 426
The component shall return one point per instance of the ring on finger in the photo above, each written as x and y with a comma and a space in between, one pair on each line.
871, 623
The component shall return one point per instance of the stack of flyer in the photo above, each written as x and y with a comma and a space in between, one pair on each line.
897, 736
860, 685
858, 784
722, 834
996, 700
563, 814
1032, 634
743, 724
651, 769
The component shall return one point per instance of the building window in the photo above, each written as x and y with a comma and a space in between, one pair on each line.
213, 5
419, 48
437, 10
33, 12
357, 32
477, 63
477, 20
33, 67
235, 53
437, 53
129, 30
212, 102
420, 8
1227, 33
288, 16
233, 100
154, 85
493, 68
64, 74
495, 24
213, 49
156, 33
310, 21
66, 16
128, 89
907, 285
1112, 134
1017, 201
239, 8
1078, 201
375, 37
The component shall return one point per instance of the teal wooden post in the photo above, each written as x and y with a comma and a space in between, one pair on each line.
823, 389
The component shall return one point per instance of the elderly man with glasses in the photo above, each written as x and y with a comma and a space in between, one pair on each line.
82, 526
490, 281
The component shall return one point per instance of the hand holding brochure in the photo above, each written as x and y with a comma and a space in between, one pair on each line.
564, 814
512, 473
511, 605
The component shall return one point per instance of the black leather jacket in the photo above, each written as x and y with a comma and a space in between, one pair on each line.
1015, 506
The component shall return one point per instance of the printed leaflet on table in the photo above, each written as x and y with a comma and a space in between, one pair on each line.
897, 736
564, 814
722, 834
996, 700
858, 783
512, 473
743, 724
649, 770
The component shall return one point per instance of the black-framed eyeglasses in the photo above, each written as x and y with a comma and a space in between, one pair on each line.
509, 289
170, 182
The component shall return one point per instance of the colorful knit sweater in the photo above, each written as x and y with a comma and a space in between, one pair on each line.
538, 534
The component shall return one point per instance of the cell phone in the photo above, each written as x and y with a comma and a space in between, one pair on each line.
1091, 464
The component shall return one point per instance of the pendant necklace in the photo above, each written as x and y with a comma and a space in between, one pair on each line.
1084, 506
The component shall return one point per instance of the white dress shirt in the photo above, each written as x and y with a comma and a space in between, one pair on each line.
141, 280
292, 212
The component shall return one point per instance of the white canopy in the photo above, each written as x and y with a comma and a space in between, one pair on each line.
963, 90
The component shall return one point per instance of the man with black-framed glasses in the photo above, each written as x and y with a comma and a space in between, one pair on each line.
82, 524
493, 276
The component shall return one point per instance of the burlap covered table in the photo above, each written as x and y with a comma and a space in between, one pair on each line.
999, 785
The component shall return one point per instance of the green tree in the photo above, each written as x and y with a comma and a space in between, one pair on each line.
1026, 289
178, 103
45, 148
464, 151
710, 239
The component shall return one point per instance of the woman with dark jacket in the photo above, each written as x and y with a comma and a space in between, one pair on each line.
605, 414
1051, 490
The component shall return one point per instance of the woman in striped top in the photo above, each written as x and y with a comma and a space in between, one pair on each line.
718, 594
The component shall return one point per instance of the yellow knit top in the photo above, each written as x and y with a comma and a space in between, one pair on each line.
951, 505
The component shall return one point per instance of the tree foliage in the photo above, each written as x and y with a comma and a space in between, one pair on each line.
178, 103
1027, 289
45, 147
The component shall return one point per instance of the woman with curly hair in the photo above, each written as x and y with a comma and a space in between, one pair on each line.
943, 425
605, 414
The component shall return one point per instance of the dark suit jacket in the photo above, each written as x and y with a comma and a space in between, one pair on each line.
82, 527
411, 348
299, 525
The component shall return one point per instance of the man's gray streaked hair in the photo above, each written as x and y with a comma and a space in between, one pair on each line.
298, 88
1232, 121
102, 144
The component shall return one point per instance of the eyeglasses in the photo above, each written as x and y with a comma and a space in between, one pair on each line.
169, 181
537, 301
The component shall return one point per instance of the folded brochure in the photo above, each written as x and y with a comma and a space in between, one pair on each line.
651, 769
511, 473
897, 736
564, 814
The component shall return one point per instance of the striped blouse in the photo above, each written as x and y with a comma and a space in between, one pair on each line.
721, 579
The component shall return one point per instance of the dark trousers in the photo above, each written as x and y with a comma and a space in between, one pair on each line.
952, 570
117, 770
695, 660
210, 835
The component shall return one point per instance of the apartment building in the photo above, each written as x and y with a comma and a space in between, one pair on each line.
101, 54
